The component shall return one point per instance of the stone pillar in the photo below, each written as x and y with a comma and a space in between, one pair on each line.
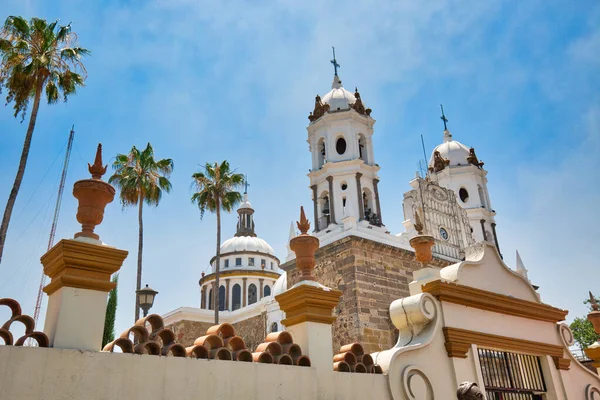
315, 206
203, 297
227, 294
361, 206
482, 222
376, 190
331, 200
496, 238
260, 295
244, 293
308, 308
80, 271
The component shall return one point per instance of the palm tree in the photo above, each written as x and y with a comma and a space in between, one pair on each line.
36, 56
140, 179
215, 191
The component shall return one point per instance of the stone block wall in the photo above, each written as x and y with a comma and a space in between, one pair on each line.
252, 330
370, 275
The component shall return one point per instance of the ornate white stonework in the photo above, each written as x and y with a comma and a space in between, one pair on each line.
442, 217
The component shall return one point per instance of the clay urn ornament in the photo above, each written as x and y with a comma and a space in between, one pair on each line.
93, 196
305, 245
421, 243
594, 315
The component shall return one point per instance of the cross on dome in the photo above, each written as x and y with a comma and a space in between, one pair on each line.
334, 62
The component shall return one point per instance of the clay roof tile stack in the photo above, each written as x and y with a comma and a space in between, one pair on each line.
352, 358
26, 320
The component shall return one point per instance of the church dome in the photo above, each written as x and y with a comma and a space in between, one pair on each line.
338, 98
280, 285
451, 150
246, 243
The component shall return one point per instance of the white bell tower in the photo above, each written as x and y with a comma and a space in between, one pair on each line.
455, 166
343, 177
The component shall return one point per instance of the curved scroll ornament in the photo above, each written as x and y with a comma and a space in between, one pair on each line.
566, 336
416, 385
567, 339
592, 393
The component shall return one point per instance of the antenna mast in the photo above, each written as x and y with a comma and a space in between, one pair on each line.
61, 188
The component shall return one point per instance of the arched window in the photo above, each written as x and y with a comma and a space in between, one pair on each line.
252, 294
481, 197
463, 195
324, 216
266, 291
274, 327
210, 300
368, 203
321, 152
222, 298
362, 148
237, 297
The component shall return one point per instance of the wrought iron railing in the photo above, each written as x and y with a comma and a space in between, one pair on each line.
511, 376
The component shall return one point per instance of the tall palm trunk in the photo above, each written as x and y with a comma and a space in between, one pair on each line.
218, 265
21, 171
138, 284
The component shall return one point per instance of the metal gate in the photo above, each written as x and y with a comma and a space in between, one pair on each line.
511, 376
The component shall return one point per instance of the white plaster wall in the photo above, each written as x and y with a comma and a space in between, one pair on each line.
246, 262
52, 374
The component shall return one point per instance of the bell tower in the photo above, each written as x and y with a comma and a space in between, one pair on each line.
343, 177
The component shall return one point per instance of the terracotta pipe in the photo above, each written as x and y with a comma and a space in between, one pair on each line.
360, 368
209, 341
243, 355
377, 369
293, 350
284, 359
6, 336
271, 347
124, 344
355, 348
149, 347
222, 353
224, 330
262, 357
302, 361
348, 357
196, 352
155, 321
367, 360
341, 366
281, 337
40, 337
235, 343
165, 335
140, 334
174, 350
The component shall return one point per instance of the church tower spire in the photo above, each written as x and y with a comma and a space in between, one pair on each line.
245, 226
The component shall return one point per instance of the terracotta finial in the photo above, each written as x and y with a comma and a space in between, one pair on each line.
303, 224
422, 243
97, 170
594, 318
93, 195
305, 245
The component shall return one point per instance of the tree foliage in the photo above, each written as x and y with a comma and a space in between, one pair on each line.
111, 313
583, 330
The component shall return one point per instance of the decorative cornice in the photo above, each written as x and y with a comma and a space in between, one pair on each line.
73, 263
240, 272
307, 303
489, 301
458, 342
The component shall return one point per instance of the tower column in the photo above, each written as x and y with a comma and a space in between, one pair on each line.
314, 189
244, 292
203, 297
496, 238
260, 295
331, 201
482, 221
361, 206
376, 190
227, 294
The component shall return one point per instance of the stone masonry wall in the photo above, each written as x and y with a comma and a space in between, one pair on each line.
252, 330
370, 275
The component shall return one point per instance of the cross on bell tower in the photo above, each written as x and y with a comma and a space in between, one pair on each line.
443, 118
334, 62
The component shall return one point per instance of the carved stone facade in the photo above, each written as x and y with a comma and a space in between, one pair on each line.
370, 276
252, 330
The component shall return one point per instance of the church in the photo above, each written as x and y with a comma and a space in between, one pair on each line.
358, 254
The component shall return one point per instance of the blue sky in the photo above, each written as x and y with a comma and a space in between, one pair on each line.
206, 81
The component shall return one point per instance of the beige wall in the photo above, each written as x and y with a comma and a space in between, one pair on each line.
39, 373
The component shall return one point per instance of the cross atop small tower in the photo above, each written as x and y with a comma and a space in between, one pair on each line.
443, 118
334, 62
246, 184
